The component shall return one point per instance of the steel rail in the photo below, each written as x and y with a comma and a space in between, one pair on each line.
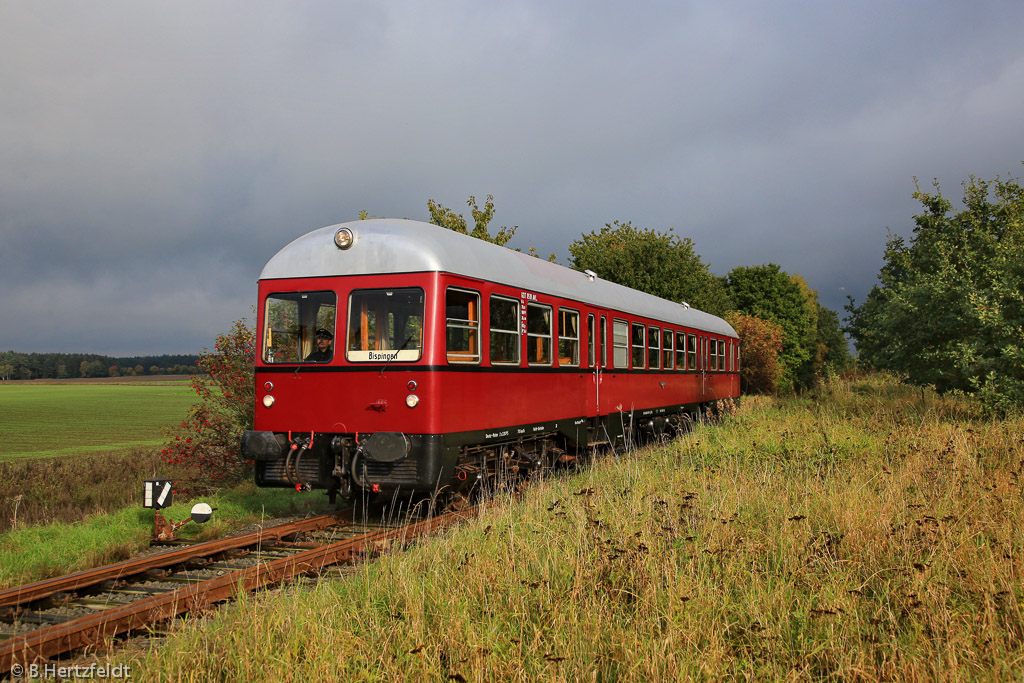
93, 629
20, 595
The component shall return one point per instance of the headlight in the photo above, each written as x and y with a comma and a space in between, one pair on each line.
412, 400
344, 238
268, 400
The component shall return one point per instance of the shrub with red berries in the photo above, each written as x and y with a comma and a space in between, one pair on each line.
761, 345
207, 440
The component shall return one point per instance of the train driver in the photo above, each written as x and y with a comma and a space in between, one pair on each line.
323, 351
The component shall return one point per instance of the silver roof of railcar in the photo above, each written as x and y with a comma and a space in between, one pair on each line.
388, 245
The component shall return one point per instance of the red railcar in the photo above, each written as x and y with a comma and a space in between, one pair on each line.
441, 358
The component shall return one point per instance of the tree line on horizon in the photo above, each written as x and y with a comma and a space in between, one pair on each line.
16, 365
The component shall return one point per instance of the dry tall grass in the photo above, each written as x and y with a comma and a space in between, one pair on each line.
861, 533
69, 489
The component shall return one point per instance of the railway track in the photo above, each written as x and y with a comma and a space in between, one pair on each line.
49, 618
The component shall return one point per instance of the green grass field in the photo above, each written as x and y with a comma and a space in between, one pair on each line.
47, 420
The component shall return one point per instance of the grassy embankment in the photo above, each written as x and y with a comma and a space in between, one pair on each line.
859, 533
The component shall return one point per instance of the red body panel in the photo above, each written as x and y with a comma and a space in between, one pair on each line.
346, 397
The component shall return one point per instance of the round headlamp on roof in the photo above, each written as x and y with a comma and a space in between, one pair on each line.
344, 238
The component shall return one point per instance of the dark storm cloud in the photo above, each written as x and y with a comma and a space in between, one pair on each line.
154, 156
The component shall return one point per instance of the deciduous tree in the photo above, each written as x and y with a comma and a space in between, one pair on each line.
948, 311
770, 293
446, 218
659, 263
833, 352
208, 438
760, 347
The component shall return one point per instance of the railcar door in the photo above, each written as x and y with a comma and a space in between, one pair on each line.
594, 347
703, 367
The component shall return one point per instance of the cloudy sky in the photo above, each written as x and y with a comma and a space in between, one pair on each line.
154, 155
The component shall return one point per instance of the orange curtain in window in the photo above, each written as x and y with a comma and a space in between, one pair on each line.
475, 324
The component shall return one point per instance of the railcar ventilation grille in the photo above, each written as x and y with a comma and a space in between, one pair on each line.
403, 472
308, 472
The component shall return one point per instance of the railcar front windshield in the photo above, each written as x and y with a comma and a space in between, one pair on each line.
385, 325
299, 327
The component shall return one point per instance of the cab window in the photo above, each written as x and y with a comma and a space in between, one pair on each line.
385, 325
292, 322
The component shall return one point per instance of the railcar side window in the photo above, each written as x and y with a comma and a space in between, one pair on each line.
666, 348
620, 344
680, 351
639, 346
291, 321
462, 325
538, 334
504, 330
691, 353
654, 350
602, 341
591, 351
714, 353
568, 337
385, 325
